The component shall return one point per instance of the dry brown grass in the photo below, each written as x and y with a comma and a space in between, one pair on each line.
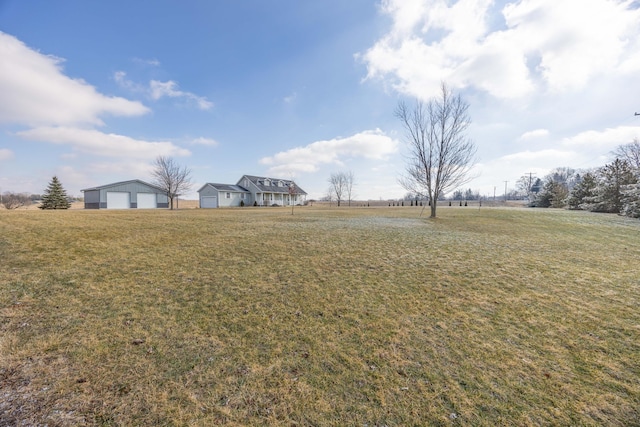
327, 317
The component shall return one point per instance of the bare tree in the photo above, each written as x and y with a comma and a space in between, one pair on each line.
349, 182
171, 177
337, 186
629, 152
440, 154
292, 194
341, 186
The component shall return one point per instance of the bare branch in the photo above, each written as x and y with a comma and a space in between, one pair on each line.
629, 152
15, 200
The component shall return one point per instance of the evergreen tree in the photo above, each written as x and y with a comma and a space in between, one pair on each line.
584, 189
631, 200
613, 178
54, 197
553, 195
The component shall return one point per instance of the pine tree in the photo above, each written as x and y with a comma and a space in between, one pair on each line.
613, 177
582, 191
54, 197
631, 200
553, 195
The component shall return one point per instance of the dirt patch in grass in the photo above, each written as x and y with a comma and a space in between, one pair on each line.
325, 317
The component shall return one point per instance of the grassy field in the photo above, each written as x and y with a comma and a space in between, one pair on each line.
329, 317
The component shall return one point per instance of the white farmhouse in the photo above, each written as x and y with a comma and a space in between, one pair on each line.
252, 191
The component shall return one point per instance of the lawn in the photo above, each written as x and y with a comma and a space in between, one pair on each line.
328, 317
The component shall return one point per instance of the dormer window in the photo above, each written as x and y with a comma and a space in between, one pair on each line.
267, 182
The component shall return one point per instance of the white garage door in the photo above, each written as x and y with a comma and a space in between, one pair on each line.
209, 202
147, 201
118, 200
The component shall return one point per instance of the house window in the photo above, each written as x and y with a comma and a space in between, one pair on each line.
228, 195
242, 195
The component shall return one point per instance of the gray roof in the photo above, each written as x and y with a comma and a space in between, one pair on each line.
259, 181
226, 187
124, 183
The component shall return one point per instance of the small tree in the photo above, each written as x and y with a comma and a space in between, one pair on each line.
350, 181
292, 195
170, 177
55, 197
338, 186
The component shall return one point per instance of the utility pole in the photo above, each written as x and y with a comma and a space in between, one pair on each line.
530, 178
530, 181
505, 191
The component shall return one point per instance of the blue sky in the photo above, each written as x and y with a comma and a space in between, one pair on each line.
93, 91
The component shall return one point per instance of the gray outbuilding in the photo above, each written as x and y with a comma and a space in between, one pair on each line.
134, 194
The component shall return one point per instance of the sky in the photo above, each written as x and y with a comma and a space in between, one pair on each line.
94, 92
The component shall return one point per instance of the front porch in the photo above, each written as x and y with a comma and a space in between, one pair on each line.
278, 199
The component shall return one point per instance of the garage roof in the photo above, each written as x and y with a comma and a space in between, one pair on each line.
101, 187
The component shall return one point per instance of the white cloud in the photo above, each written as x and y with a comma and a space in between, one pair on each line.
157, 90
205, 141
538, 133
536, 156
98, 143
36, 92
371, 144
121, 78
575, 39
5, 154
607, 139
539, 44
170, 89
